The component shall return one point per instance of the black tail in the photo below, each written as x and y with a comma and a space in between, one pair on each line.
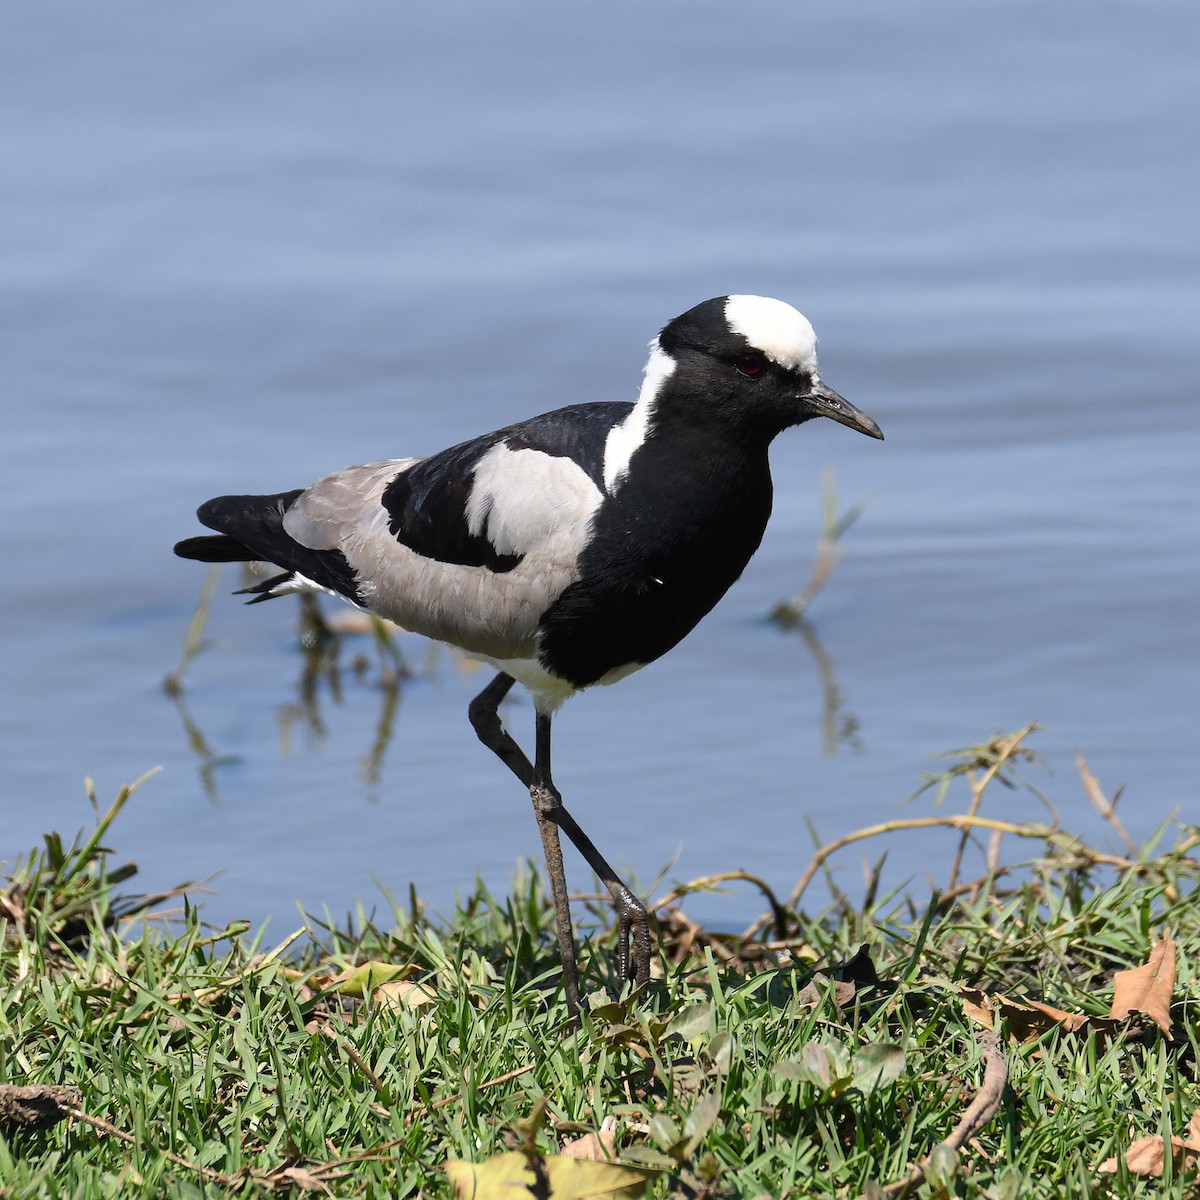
214, 550
252, 529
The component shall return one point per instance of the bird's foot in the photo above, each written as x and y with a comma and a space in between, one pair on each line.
633, 936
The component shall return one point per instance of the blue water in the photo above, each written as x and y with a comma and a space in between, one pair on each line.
245, 245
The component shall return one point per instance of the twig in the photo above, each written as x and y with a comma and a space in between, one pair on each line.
778, 913
692, 931
35, 1106
1106, 807
1005, 748
357, 1059
428, 1108
979, 1112
1048, 833
973, 887
112, 1131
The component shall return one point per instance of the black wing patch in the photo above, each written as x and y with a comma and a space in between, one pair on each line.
427, 508
578, 433
427, 504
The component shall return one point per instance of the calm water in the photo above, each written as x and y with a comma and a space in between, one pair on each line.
243, 247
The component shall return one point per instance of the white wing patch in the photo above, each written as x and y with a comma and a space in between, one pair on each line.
777, 329
625, 438
524, 499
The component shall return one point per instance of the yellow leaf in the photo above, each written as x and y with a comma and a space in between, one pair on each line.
508, 1176
357, 980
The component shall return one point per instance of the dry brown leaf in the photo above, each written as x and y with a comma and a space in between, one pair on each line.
1146, 1156
977, 1007
1148, 988
400, 994
600, 1146
1056, 1016
1027, 1020
814, 992
300, 1177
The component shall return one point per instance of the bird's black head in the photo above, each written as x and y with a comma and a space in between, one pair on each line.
750, 359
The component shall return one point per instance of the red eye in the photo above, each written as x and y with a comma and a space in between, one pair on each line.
750, 365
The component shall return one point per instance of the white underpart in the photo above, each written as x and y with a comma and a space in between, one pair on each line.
625, 438
549, 692
524, 501
781, 332
301, 583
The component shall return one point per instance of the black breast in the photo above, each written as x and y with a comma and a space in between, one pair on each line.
664, 549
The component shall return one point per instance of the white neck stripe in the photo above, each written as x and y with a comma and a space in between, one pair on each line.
625, 438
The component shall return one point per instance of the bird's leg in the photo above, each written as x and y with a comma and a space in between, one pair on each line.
547, 807
632, 919
485, 719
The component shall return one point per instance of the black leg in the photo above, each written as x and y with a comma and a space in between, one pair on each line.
485, 717
632, 919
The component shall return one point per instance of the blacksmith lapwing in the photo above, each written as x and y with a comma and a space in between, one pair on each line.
567, 550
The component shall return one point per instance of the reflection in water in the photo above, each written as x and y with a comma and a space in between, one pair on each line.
194, 645
838, 728
322, 649
321, 640
828, 553
372, 763
210, 760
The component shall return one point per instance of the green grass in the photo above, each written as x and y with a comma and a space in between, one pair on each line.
210, 1064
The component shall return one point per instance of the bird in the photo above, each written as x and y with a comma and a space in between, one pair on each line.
567, 550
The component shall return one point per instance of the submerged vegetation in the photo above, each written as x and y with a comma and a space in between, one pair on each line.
1030, 1029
